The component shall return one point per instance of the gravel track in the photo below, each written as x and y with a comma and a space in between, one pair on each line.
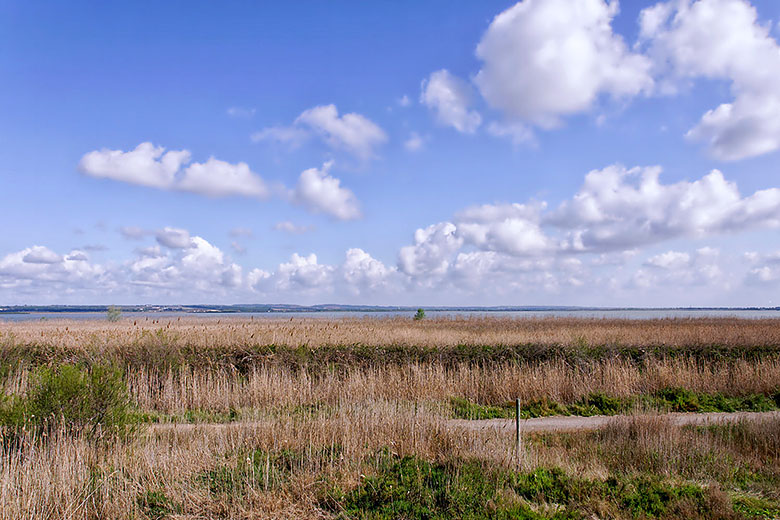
539, 424
574, 423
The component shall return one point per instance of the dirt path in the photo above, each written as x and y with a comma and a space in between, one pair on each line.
539, 424
573, 423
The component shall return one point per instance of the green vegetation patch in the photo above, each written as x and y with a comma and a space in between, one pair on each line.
668, 399
410, 487
756, 507
681, 400
156, 505
89, 399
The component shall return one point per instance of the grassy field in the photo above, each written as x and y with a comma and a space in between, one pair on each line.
351, 418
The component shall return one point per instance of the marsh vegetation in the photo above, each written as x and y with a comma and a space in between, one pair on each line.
236, 418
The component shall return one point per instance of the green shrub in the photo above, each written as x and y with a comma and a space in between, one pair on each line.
113, 314
92, 400
420, 315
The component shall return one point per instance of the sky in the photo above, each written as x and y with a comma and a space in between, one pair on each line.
545, 152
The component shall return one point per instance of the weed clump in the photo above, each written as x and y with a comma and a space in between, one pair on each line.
157, 505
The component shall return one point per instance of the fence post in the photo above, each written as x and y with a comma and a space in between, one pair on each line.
518, 438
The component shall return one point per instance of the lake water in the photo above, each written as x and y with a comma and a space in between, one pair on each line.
633, 314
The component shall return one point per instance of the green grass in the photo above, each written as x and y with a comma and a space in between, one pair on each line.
667, 400
756, 507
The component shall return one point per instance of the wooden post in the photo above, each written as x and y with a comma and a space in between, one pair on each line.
518, 438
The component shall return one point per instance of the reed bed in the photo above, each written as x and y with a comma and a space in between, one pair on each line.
143, 335
175, 390
181, 389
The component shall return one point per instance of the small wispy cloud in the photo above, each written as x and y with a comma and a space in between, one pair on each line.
241, 112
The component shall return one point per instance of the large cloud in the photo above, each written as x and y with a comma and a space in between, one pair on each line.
152, 166
543, 59
433, 247
191, 264
722, 39
616, 210
351, 132
619, 208
38, 271
364, 273
303, 273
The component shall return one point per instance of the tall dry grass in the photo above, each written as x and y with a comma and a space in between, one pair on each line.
72, 478
177, 390
217, 365
269, 387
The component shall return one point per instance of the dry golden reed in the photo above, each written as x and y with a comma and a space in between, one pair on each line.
209, 333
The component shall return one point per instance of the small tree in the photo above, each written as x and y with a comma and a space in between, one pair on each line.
113, 313
420, 314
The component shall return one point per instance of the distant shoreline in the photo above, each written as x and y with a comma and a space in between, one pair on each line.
286, 309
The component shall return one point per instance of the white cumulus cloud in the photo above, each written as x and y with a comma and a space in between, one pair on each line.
722, 40
217, 178
174, 238
352, 132
320, 192
544, 59
619, 208
151, 166
362, 272
147, 165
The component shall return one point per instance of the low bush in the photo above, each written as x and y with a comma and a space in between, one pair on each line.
91, 400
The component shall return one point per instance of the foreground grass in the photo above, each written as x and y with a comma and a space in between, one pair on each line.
376, 463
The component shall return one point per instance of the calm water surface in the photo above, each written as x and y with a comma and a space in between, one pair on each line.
599, 313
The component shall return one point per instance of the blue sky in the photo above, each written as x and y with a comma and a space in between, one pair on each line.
461, 153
